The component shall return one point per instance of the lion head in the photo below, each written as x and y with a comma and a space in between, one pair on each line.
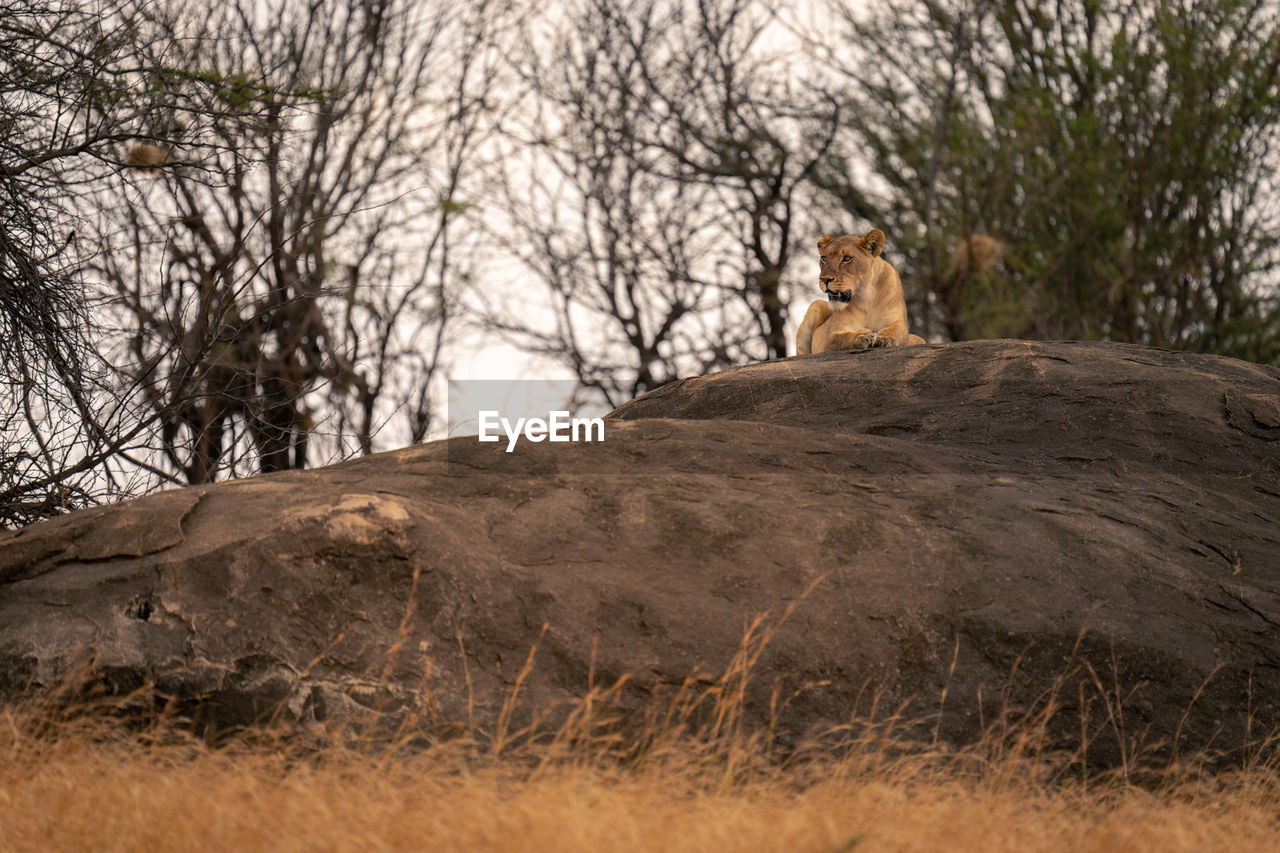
846, 265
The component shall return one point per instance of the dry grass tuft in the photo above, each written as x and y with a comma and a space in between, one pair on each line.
101, 790
693, 776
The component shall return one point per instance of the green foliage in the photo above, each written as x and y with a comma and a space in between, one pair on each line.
1122, 150
239, 91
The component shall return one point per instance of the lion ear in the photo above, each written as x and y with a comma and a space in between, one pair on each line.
823, 242
874, 243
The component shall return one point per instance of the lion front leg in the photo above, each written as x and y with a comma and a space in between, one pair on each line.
849, 330
853, 339
818, 313
892, 335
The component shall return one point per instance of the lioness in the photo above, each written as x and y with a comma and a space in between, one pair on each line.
864, 306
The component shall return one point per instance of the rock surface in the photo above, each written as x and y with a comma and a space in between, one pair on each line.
998, 523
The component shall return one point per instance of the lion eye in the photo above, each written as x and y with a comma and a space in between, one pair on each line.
847, 258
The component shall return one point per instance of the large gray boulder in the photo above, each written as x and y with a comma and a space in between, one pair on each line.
1011, 524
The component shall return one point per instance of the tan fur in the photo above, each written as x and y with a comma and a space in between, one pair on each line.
145, 156
875, 314
977, 254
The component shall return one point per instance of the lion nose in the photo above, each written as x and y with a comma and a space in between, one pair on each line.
826, 281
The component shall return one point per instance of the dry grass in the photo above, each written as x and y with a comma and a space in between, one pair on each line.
81, 791
693, 777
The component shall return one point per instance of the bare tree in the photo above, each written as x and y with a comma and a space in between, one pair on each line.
631, 260
658, 186
65, 106
284, 282
729, 110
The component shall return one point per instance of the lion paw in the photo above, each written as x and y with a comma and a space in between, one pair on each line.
861, 339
